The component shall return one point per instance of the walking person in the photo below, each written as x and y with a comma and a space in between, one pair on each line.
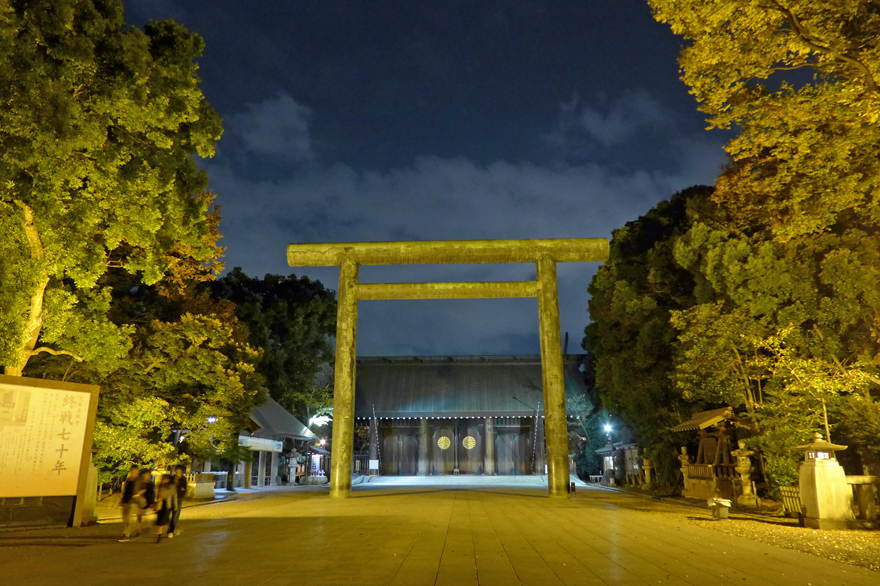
166, 502
179, 482
145, 495
130, 489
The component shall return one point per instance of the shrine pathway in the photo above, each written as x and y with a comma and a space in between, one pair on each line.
411, 534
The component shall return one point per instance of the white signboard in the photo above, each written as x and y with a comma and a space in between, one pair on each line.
260, 444
42, 434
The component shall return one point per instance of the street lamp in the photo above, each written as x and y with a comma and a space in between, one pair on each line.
610, 441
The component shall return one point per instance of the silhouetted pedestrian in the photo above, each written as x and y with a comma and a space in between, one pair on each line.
145, 494
166, 502
130, 488
180, 483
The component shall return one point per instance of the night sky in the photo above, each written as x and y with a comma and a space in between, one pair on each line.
434, 120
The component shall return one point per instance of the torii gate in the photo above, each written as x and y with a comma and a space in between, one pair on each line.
544, 253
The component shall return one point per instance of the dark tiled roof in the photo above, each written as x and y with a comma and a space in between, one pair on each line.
705, 419
606, 449
271, 418
456, 386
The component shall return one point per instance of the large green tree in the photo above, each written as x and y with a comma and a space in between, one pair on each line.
292, 320
792, 252
189, 381
688, 317
630, 338
99, 125
784, 316
784, 312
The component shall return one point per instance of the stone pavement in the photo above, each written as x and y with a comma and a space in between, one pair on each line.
403, 533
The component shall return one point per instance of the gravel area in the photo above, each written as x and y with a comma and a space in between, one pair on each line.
859, 547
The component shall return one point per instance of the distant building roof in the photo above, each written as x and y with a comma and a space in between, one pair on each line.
270, 418
705, 419
606, 449
457, 386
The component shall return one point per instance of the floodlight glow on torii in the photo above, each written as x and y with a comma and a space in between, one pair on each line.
544, 253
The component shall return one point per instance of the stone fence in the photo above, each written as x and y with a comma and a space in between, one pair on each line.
865, 489
200, 486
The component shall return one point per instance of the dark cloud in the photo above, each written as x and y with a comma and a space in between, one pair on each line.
442, 199
277, 128
401, 120
632, 114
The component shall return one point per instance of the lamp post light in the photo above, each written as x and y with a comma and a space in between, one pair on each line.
610, 441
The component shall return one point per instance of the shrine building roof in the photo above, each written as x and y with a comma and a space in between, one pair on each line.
271, 419
457, 386
704, 419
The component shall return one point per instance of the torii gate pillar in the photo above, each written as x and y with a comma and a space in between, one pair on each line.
544, 253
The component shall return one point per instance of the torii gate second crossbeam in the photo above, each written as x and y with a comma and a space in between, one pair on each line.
544, 253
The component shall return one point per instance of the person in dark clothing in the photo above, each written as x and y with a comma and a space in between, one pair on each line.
130, 489
180, 483
147, 493
166, 502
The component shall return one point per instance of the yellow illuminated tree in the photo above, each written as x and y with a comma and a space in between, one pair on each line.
186, 386
791, 242
98, 128
799, 79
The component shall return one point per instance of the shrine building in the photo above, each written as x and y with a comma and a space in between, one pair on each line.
437, 415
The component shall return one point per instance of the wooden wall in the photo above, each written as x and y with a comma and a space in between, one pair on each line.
399, 446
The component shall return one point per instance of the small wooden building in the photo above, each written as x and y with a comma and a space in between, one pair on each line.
632, 472
713, 472
441, 415
268, 426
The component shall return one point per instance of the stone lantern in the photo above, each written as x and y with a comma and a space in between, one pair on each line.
824, 491
744, 470
648, 468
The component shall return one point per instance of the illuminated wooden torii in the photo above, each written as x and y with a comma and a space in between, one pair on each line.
544, 253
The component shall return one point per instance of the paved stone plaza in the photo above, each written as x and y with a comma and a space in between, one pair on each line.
452, 532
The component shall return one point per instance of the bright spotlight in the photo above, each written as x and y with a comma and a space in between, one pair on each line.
608, 428
319, 420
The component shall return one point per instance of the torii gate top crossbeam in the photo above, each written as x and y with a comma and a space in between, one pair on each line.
447, 252
544, 253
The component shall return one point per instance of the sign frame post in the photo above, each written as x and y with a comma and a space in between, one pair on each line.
93, 392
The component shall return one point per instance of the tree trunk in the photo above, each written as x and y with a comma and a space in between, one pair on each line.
33, 323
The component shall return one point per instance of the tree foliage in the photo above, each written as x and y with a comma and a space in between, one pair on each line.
630, 338
185, 393
291, 320
782, 320
98, 128
807, 149
189, 380
783, 331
